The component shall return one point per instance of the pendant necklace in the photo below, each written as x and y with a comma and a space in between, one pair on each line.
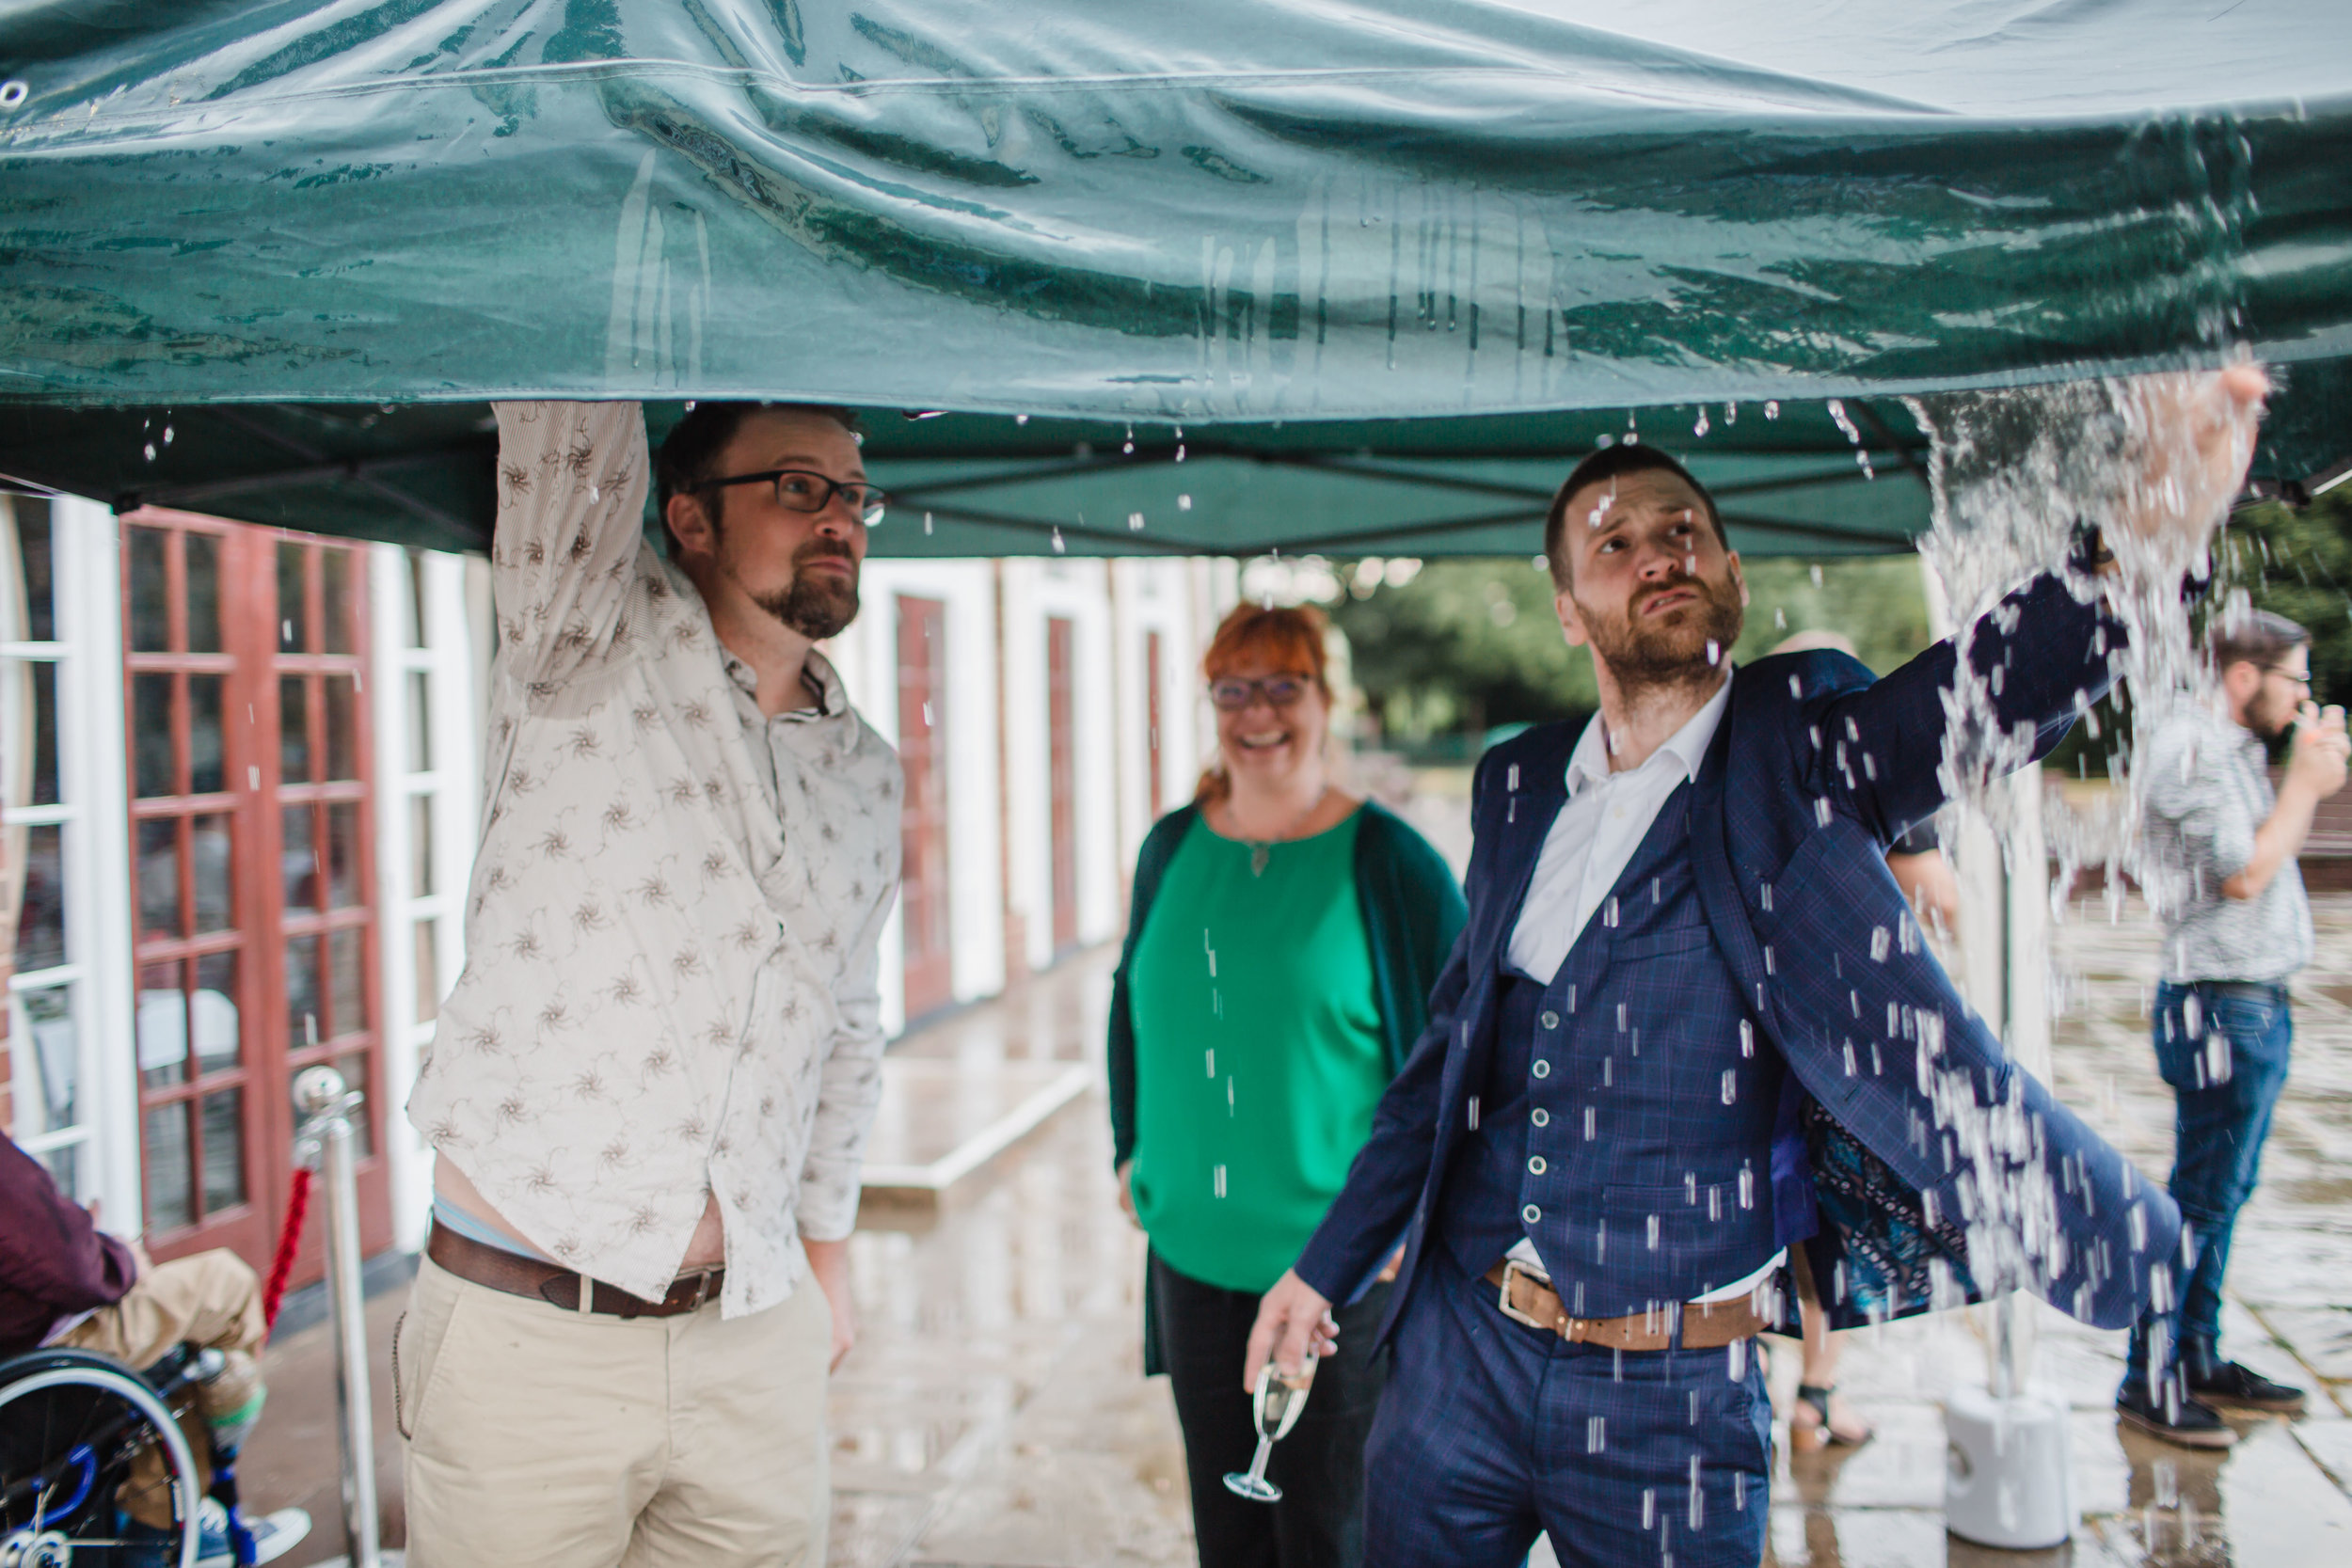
1261, 850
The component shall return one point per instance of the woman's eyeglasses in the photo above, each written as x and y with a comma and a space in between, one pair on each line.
800, 490
1232, 695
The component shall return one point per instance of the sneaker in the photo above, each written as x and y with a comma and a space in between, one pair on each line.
2188, 1423
2232, 1386
273, 1537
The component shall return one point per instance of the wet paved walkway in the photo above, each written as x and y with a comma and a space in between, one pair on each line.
996, 1413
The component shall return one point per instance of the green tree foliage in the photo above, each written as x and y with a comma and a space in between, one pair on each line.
2298, 563
1469, 644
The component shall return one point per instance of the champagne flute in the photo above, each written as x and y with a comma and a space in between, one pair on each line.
1275, 1407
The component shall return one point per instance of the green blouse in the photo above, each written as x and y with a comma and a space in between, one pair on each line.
1259, 1051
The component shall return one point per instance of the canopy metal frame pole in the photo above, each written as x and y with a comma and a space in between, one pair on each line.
324, 1144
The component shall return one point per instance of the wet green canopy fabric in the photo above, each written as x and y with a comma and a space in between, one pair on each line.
1389, 263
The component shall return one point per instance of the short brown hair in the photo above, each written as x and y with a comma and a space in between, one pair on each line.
1290, 637
1614, 462
2254, 636
688, 456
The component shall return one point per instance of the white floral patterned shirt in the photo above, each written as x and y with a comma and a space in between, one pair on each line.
670, 990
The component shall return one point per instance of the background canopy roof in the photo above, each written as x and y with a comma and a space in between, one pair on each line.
1371, 256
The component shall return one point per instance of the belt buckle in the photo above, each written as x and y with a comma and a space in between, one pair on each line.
1512, 1269
702, 1278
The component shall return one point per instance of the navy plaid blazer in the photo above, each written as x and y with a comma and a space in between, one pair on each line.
1918, 1166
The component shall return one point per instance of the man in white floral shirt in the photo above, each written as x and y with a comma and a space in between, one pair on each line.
649, 1092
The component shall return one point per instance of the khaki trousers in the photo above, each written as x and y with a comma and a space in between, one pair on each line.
540, 1436
212, 1299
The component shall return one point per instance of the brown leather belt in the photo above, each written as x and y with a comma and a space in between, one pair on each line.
517, 1275
1705, 1326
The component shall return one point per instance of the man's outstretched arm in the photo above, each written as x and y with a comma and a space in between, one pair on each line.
2043, 653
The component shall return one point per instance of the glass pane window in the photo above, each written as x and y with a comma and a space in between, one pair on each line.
65, 1168
207, 767
159, 876
203, 566
428, 973
151, 590
224, 1150
342, 727
413, 624
294, 600
298, 861
212, 853
421, 845
343, 854
41, 916
302, 992
342, 609
154, 761
212, 1013
163, 1026
42, 675
420, 722
348, 980
35, 549
164, 1155
45, 1061
293, 729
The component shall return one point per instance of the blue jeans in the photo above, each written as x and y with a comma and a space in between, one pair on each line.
2224, 1051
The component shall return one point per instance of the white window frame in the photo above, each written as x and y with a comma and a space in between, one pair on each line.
445, 658
95, 854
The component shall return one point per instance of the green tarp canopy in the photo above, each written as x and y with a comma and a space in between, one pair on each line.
1387, 265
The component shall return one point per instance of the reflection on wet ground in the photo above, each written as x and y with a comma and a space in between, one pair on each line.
995, 1413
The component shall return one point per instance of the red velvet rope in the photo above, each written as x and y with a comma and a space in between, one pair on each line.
289, 1242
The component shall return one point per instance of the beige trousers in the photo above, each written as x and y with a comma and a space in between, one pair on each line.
540, 1436
212, 1299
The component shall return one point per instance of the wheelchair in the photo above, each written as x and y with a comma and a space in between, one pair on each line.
71, 1424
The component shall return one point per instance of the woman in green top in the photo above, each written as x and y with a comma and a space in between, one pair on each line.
1279, 954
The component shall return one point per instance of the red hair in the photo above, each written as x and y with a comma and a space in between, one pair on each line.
1288, 639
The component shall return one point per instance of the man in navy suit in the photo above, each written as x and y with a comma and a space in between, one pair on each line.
1691, 1025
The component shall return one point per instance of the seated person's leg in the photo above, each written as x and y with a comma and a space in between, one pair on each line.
212, 1299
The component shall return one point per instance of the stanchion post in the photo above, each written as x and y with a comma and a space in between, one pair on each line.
324, 1144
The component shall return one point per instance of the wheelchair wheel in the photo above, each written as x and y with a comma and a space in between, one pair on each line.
72, 1426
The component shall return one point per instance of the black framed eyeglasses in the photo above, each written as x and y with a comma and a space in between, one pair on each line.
803, 490
1233, 694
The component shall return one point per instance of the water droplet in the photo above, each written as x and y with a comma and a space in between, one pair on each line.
1134, 522
1715, 651
166, 434
1059, 545
1700, 428
1731, 1084
1179, 451
1815, 572
1772, 410
593, 495
927, 524
151, 452
1184, 504
1017, 418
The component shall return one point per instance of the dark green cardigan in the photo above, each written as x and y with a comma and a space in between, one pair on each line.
1413, 911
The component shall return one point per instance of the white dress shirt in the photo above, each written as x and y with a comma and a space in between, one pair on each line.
670, 991
1591, 843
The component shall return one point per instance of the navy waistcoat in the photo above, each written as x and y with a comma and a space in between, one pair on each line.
1623, 1126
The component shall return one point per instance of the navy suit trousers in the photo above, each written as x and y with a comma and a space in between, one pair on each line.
1491, 1431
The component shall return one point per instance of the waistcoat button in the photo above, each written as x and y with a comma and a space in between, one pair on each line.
1540, 1117
1531, 1214
1552, 1020
1535, 1164
1542, 1069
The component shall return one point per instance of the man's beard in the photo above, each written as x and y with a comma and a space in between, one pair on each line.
818, 605
1681, 648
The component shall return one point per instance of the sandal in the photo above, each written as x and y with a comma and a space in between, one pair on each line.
1815, 1397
